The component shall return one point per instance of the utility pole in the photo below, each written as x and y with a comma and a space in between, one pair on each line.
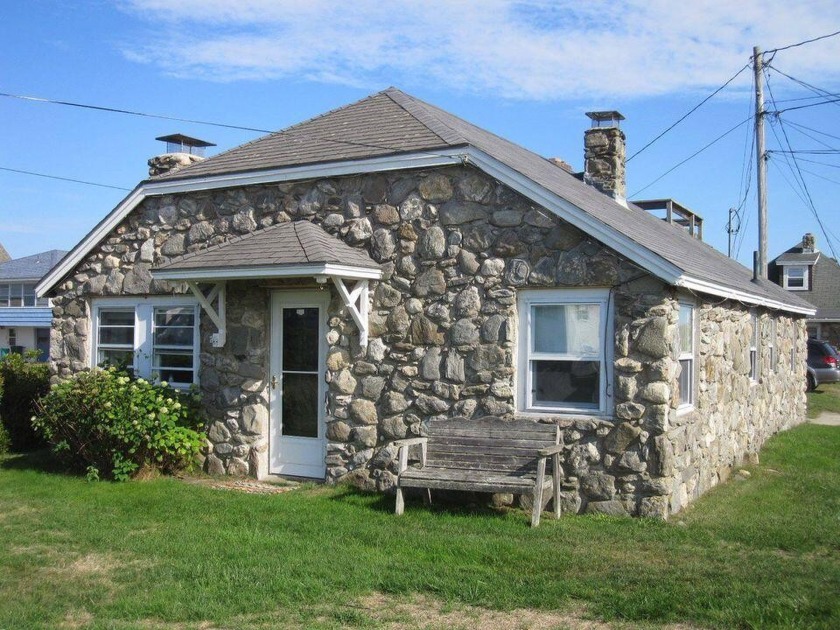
761, 167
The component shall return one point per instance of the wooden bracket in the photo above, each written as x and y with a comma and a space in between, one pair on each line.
219, 317
358, 312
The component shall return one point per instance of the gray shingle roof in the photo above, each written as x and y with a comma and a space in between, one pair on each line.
32, 267
285, 244
797, 258
392, 122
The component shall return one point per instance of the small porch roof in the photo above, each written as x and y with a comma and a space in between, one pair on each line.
293, 249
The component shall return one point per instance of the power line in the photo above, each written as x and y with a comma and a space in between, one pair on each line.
816, 90
101, 108
822, 133
815, 174
807, 41
806, 151
798, 176
692, 156
64, 179
820, 163
790, 109
691, 111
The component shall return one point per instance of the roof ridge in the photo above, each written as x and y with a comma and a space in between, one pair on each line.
409, 102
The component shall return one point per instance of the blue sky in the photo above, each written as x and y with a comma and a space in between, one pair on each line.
526, 70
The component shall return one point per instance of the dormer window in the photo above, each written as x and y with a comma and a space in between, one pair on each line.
795, 277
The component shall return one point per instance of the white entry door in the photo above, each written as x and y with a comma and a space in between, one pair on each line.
298, 365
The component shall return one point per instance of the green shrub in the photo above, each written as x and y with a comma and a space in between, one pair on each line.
109, 425
25, 380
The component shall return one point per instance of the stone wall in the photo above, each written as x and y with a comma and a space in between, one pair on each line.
455, 248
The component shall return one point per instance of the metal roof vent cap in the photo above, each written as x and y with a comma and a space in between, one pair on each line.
181, 151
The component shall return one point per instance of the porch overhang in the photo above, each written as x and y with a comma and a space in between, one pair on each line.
296, 249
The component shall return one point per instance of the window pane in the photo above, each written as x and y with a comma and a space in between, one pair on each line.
686, 329
174, 317
4, 294
116, 318
173, 360
175, 377
182, 337
300, 405
571, 382
119, 358
16, 295
29, 295
122, 335
686, 381
300, 339
567, 329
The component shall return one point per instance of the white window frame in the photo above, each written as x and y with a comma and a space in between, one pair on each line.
526, 300
755, 368
690, 356
786, 269
144, 312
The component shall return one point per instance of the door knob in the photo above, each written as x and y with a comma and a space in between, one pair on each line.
273, 382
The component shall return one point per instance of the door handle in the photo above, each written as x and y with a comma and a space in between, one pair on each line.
273, 382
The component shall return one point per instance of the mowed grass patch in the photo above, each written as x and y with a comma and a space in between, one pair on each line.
825, 398
758, 552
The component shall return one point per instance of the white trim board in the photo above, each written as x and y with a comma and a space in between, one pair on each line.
268, 272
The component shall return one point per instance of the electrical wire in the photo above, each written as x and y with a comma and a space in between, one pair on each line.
807, 41
38, 99
692, 156
691, 111
822, 133
798, 176
64, 179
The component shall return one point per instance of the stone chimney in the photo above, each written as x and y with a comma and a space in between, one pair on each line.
809, 244
181, 151
604, 155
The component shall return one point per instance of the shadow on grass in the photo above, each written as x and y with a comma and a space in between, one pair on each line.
443, 502
36, 461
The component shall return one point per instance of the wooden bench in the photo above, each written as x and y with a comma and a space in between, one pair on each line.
483, 455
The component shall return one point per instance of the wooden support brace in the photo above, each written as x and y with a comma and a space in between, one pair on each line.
218, 317
359, 312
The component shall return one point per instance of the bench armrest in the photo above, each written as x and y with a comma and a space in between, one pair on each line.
402, 451
551, 450
410, 441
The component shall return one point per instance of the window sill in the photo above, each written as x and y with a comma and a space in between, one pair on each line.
684, 409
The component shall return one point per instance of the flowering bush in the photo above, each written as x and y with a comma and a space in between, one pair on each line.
112, 426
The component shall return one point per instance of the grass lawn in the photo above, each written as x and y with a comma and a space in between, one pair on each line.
757, 552
826, 398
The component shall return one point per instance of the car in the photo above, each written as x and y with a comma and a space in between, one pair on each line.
823, 364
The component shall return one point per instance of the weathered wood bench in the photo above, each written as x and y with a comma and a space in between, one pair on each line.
484, 455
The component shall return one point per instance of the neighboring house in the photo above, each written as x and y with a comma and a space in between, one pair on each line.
333, 286
815, 277
24, 319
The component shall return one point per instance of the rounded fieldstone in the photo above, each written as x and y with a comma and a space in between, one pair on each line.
394, 402
463, 333
411, 208
435, 188
386, 296
430, 282
386, 215
467, 303
363, 411
506, 218
337, 359
460, 212
517, 272
492, 267
344, 382
432, 243
360, 231
657, 392
382, 245
338, 431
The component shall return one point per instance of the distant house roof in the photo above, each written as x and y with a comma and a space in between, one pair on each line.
392, 130
824, 287
282, 250
4, 255
798, 258
32, 267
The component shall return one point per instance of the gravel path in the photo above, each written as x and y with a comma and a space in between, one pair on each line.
828, 418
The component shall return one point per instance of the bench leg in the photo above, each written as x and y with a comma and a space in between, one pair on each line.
427, 496
400, 506
538, 493
556, 482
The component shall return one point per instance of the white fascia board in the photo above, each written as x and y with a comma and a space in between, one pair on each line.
578, 217
268, 272
711, 288
422, 159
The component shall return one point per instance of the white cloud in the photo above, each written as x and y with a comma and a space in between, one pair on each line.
525, 49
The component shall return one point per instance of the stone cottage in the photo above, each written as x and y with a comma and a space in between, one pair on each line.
334, 286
